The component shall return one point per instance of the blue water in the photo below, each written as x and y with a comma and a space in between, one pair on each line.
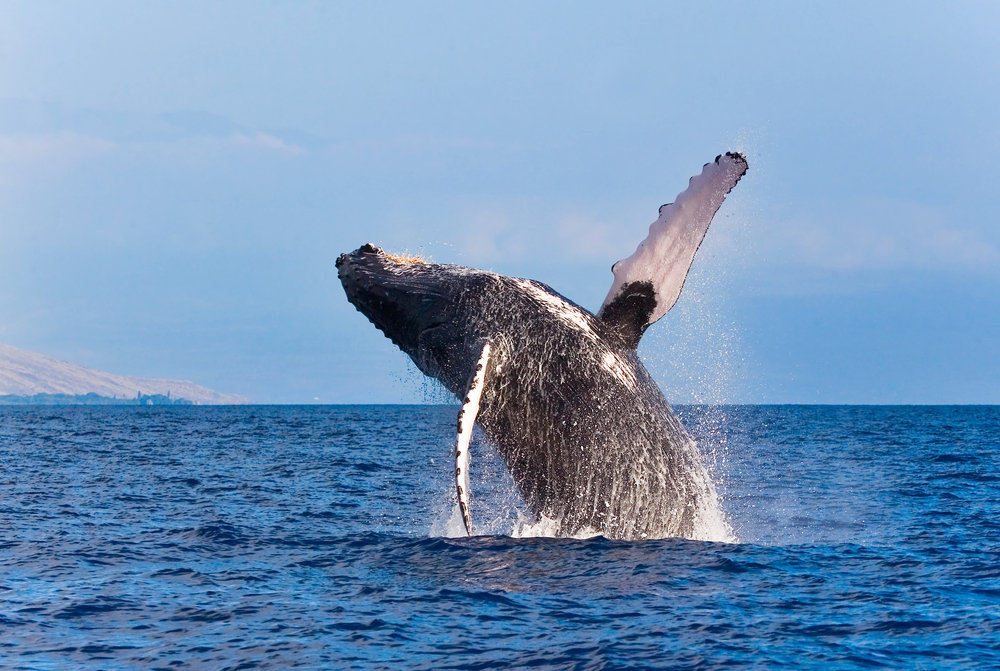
310, 537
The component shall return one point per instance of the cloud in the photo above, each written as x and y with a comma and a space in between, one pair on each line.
880, 234
237, 140
55, 152
42, 154
533, 231
588, 239
490, 237
265, 141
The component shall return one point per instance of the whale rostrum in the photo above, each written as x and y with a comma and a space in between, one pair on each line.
588, 437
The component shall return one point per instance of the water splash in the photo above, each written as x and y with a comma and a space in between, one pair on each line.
547, 527
499, 510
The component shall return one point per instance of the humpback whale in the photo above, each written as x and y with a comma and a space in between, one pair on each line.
588, 437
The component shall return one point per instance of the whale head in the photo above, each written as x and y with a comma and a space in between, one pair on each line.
427, 309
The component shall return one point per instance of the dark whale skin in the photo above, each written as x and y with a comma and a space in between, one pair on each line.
587, 435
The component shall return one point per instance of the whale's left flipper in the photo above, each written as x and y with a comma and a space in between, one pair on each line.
648, 283
466, 420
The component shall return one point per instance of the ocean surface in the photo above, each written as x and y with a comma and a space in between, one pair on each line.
274, 537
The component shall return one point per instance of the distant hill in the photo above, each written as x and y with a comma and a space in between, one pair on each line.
24, 373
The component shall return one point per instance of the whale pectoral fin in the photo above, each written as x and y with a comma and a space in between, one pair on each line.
648, 283
466, 420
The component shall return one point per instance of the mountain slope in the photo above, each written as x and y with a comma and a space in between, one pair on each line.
24, 373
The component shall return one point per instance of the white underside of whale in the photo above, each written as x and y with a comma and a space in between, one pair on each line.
466, 421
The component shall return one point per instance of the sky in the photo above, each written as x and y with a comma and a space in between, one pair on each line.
177, 180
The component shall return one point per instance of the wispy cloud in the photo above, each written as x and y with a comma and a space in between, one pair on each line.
264, 141
50, 151
490, 236
880, 235
585, 238
520, 231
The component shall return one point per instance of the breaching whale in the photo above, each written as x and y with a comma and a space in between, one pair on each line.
560, 392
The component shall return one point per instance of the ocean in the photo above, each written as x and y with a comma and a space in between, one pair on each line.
323, 537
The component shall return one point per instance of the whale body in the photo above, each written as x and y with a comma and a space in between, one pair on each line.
588, 437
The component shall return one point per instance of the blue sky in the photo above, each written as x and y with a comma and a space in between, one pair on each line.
177, 179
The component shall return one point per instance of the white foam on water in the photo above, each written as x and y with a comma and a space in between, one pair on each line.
494, 517
448, 522
547, 527
711, 525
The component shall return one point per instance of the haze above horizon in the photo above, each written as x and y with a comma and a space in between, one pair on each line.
177, 179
